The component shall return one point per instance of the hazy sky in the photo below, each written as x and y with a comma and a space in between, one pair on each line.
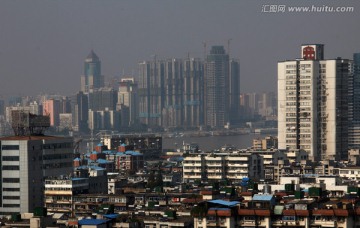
43, 43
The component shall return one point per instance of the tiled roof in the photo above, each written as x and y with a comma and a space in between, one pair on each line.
222, 212
341, 212
323, 212
302, 213
262, 212
246, 212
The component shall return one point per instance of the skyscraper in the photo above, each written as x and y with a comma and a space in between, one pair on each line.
354, 103
80, 109
127, 102
51, 107
151, 92
193, 92
234, 90
217, 88
313, 104
172, 111
92, 78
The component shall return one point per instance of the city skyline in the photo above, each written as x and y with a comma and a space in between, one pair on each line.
123, 33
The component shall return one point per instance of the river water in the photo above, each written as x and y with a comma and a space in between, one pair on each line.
208, 143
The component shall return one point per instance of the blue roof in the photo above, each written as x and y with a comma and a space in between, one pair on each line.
92, 221
123, 144
109, 152
95, 167
111, 216
129, 152
77, 159
225, 203
103, 161
133, 153
265, 197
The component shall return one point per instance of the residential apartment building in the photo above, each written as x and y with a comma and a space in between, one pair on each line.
59, 193
193, 92
80, 108
313, 104
354, 103
220, 166
127, 102
26, 161
216, 81
151, 92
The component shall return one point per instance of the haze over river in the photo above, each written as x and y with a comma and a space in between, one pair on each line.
207, 143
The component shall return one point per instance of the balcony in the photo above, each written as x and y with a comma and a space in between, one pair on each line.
323, 223
214, 164
249, 223
237, 165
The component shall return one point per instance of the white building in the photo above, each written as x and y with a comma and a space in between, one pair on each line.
313, 104
59, 193
219, 166
26, 161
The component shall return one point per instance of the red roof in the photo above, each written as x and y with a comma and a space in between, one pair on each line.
303, 213
192, 200
246, 194
324, 212
341, 212
262, 212
221, 213
289, 212
246, 212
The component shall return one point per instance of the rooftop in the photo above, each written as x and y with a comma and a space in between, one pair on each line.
31, 137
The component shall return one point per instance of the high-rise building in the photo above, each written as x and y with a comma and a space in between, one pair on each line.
127, 101
151, 92
51, 107
313, 104
104, 120
267, 105
217, 87
193, 92
25, 162
102, 99
2, 108
354, 103
92, 78
234, 90
172, 112
80, 109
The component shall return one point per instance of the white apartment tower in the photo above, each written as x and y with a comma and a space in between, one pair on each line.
313, 104
25, 163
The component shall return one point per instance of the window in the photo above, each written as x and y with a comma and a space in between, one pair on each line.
11, 197
10, 158
11, 205
10, 147
11, 180
10, 167
11, 189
